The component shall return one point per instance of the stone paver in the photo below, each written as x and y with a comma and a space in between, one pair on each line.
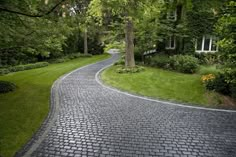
94, 121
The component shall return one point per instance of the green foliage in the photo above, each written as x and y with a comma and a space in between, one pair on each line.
6, 87
115, 45
30, 102
17, 68
138, 53
206, 69
161, 61
69, 57
124, 70
184, 63
219, 84
120, 62
160, 84
4, 71
225, 29
180, 63
23, 67
208, 58
224, 82
26, 40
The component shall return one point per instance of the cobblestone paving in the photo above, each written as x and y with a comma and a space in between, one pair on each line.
95, 121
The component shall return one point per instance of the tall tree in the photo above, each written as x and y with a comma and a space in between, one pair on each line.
128, 11
225, 29
31, 28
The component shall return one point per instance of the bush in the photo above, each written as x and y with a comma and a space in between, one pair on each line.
161, 61
233, 90
184, 63
4, 71
23, 67
17, 68
85, 55
208, 80
30, 66
120, 62
212, 69
123, 69
220, 84
6, 87
208, 58
138, 54
224, 82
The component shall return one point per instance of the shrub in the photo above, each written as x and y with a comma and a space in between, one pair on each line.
224, 82
59, 60
29, 66
23, 67
208, 80
123, 69
32, 66
208, 58
213, 69
120, 62
86, 55
17, 68
161, 61
184, 63
6, 87
41, 64
233, 90
4, 71
138, 53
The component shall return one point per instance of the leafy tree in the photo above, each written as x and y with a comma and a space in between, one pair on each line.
34, 28
129, 13
225, 29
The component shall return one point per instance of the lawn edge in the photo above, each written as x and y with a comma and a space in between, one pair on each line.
27, 149
166, 102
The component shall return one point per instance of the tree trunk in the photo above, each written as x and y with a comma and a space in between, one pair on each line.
129, 44
85, 42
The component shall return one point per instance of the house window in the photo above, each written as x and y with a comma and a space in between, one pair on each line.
206, 44
170, 42
172, 15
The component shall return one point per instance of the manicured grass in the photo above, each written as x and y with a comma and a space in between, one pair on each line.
22, 111
161, 84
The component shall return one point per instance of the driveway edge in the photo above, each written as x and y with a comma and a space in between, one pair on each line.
44, 128
98, 80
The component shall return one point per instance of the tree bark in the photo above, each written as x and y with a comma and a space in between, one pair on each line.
85, 42
129, 44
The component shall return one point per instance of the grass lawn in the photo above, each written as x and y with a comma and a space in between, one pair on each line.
22, 111
163, 84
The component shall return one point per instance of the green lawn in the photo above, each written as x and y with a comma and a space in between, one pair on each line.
22, 111
161, 84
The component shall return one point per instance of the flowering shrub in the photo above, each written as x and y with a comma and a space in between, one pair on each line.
224, 82
208, 80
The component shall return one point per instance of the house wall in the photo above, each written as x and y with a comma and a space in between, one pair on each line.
193, 21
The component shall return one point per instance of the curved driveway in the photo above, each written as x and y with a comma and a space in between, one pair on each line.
88, 119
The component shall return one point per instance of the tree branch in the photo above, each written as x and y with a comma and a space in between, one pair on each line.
30, 15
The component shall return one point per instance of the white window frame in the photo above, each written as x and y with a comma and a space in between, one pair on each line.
169, 43
203, 45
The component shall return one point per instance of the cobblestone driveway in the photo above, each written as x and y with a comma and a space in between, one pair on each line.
88, 119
